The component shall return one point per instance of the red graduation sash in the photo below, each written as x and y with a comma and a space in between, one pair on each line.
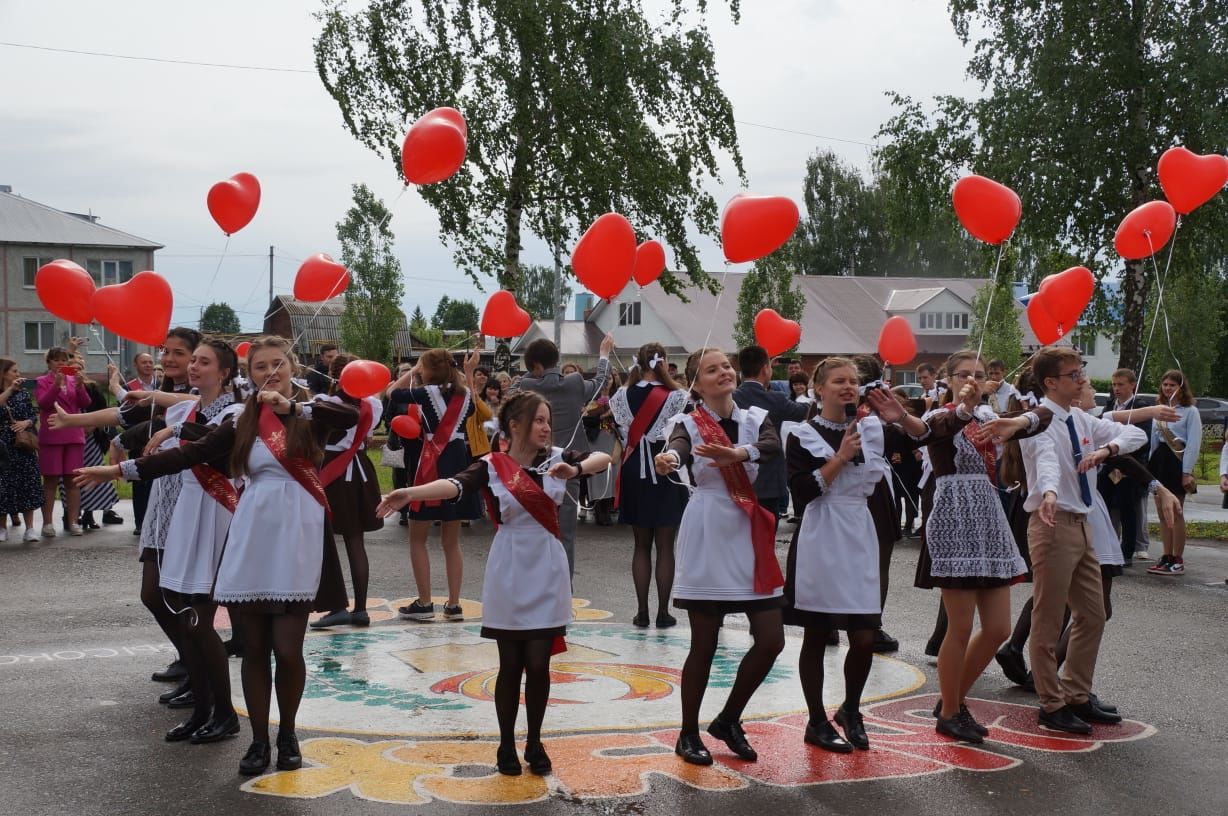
987, 450
657, 395
214, 482
273, 434
762, 522
428, 460
532, 498
333, 470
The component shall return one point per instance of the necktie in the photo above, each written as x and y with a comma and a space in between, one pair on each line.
1085, 489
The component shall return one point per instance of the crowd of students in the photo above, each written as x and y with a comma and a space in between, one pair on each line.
249, 475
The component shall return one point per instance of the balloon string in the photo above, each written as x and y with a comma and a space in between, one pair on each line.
717, 305
993, 286
218, 268
1158, 308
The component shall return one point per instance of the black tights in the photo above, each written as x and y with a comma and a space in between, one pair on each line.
280, 635
530, 659
1023, 626
204, 656
641, 565
356, 552
151, 596
768, 636
856, 668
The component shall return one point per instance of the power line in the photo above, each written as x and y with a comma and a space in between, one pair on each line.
805, 133
158, 59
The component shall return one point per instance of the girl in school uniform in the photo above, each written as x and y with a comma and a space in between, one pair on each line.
440, 451
725, 559
653, 506
279, 563
835, 463
352, 488
1175, 447
526, 594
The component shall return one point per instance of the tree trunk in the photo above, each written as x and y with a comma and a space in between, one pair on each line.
1135, 283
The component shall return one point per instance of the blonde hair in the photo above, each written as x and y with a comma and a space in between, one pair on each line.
828, 365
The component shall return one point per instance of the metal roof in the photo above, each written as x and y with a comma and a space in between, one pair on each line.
317, 324
23, 221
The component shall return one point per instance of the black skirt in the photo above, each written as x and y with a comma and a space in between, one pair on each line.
353, 501
831, 620
548, 633
644, 504
1165, 466
452, 460
710, 607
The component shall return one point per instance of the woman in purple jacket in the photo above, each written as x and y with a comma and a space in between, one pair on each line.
60, 450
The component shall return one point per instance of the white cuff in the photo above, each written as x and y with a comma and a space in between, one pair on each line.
962, 412
818, 477
752, 452
304, 410
460, 491
127, 469
1033, 420
176, 429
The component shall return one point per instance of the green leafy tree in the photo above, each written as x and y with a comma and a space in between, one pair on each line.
536, 293
373, 299
1080, 100
422, 330
995, 323
768, 285
573, 110
1190, 337
219, 318
455, 315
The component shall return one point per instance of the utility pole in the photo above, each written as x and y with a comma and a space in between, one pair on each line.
270, 274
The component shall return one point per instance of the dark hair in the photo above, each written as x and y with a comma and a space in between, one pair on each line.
326, 348
300, 440
492, 382
191, 339
1048, 363
5, 364
642, 358
56, 353
799, 377
1184, 395
522, 407
334, 374
994, 363
541, 352
751, 361
925, 368
438, 369
226, 357
868, 368
483, 369
1011, 461
1126, 374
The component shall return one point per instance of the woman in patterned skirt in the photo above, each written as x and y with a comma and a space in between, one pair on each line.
21, 489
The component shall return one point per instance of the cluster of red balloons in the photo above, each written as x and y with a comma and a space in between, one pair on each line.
754, 226
897, 344
1056, 307
503, 317
434, 148
138, 309
604, 257
364, 378
320, 278
1189, 181
409, 424
988, 210
234, 201
775, 333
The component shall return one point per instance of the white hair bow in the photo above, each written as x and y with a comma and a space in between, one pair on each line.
656, 360
872, 386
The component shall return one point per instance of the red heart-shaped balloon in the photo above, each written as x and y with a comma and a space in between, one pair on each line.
649, 262
139, 309
988, 210
320, 278
1042, 322
242, 349
1145, 230
1066, 294
776, 333
65, 290
897, 344
364, 378
233, 202
407, 426
753, 226
503, 317
434, 149
1190, 180
605, 255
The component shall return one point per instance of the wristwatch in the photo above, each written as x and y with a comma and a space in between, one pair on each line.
1153, 487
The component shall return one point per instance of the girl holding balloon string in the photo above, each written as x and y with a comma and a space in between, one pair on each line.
526, 594
725, 557
279, 563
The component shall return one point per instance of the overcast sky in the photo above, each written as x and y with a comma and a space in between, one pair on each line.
139, 143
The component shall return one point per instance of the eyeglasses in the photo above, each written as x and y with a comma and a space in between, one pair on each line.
1078, 375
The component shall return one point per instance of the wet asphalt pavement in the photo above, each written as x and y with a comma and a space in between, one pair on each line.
81, 732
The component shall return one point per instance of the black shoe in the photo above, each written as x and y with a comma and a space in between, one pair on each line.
418, 611
341, 618
1101, 704
825, 736
289, 758
666, 620
111, 517
932, 647
216, 730
640, 620
506, 761
234, 648
184, 730
185, 700
175, 671
964, 712
692, 750
453, 613
360, 618
1028, 684
1012, 663
1089, 712
137, 531
959, 727
884, 642
86, 522
537, 759
731, 734
179, 690
833, 637
1064, 719
256, 760
404, 522
854, 727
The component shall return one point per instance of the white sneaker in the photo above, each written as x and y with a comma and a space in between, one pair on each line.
48, 531
1141, 555
74, 530
4, 534
31, 535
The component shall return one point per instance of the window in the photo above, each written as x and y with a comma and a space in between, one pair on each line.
1088, 343
29, 268
109, 273
40, 336
944, 321
903, 377
629, 314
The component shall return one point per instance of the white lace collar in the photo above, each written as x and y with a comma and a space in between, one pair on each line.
827, 423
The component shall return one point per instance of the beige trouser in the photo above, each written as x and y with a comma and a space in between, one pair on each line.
1065, 572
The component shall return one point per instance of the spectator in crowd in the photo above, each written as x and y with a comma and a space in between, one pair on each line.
20, 490
756, 367
60, 450
317, 376
1124, 496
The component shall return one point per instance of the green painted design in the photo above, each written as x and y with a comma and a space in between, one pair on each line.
327, 677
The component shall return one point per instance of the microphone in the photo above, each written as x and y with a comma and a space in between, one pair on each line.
850, 412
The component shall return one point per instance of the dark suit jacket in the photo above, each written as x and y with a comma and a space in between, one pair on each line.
771, 480
1103, 482
567, 396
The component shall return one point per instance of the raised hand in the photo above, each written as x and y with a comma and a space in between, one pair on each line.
885, 405
393, 502
998, 431
850, 445
562, 470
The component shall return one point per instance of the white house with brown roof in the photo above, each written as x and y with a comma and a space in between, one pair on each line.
32, 234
